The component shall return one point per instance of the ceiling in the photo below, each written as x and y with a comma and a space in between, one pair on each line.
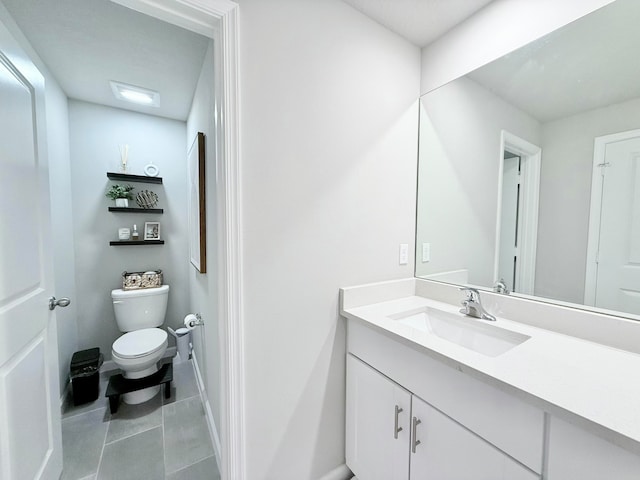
587, 64
86, 43
419, 21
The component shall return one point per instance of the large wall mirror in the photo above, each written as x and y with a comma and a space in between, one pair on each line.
529, 168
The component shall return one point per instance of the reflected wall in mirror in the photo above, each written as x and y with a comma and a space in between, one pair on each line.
529, 168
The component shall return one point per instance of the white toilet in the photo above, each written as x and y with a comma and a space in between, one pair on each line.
137, 352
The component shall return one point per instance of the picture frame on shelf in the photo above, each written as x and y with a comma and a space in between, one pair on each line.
151, 230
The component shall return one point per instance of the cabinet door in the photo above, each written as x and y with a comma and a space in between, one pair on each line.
443, 449
576, 453
377, 438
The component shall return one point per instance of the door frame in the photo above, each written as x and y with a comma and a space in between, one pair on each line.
528, 216
593, 238
218, 20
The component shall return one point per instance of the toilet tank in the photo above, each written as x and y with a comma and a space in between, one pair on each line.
137, 309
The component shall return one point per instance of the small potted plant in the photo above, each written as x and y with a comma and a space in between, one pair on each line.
121, 194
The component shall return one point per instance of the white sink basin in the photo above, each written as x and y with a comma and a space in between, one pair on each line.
471, 333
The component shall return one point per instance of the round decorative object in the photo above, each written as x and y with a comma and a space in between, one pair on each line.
146, 199
151, 170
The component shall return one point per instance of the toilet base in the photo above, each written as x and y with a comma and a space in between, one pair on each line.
141, 396
119, 386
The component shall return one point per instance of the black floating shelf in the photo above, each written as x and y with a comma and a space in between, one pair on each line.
136, 210
125, 177
136, 242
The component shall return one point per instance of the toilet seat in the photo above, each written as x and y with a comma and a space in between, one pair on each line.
140, 343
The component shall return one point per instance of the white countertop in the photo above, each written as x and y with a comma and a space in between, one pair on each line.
594, 385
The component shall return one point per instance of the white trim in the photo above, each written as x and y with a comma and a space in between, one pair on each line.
211, 423
218, 19
528, 220
593, 239
200, 16
230, 309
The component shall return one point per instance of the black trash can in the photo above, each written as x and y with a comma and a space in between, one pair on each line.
85, 375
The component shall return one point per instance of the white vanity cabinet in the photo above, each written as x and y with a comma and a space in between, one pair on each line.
377, 428
449, 451
392, 434
576, 453
552, 407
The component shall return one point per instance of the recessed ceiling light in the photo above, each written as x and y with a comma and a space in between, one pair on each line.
133, 94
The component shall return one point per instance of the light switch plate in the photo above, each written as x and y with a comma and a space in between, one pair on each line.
426, 252
404, 254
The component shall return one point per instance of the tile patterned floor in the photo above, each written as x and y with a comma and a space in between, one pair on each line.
162, 439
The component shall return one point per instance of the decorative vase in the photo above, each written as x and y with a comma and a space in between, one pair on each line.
122, 202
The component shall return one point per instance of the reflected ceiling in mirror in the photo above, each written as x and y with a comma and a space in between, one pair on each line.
529, 168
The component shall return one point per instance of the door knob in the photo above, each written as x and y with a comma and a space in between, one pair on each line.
63, 302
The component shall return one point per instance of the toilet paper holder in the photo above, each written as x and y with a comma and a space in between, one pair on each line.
191, 322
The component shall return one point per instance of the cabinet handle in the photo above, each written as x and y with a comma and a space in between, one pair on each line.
415, 442
396, 428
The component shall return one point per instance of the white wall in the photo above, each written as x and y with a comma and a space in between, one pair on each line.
460, 156
499, 28
328, 143
57, 121
565, 196
95, 133
203, 288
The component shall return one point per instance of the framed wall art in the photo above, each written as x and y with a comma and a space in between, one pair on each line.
197, 204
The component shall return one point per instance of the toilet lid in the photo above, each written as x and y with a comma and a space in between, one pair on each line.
139, 343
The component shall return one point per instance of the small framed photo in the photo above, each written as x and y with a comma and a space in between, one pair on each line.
152, 230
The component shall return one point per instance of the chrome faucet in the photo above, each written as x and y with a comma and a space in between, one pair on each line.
473, 307
501, 287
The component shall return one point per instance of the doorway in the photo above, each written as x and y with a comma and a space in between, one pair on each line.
217, 19
517, 217
508, 264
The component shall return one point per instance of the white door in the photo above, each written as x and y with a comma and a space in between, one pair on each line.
377, 430
618, 258
442, 449
30, 436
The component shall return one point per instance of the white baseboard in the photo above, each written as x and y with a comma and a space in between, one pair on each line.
339, 473
213, 430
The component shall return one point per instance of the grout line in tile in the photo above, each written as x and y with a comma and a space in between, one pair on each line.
72, 415
183, 400
192, 464
103, 445
132, 435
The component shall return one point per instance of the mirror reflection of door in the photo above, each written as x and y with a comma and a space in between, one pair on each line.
509, 228
517, 215
617, 231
